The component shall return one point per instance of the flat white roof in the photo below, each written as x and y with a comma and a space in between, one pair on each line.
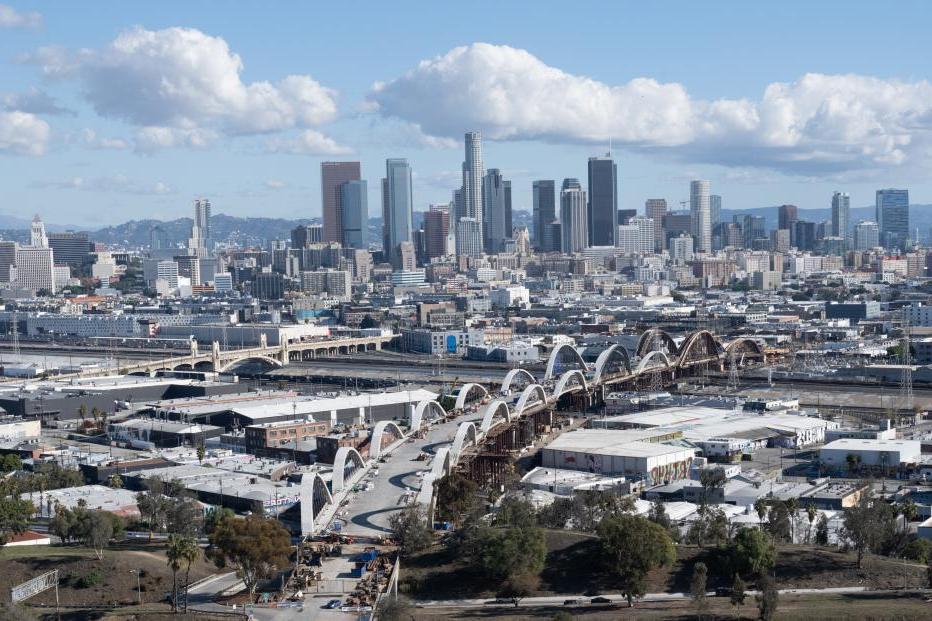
868, 444
612, 442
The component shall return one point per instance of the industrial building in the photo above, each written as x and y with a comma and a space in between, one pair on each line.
887, 456
614, 452
147, 433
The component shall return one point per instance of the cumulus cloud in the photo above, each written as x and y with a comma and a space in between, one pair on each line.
22, 133
92, 140
308, 142
152, 139
179, 83
817, 124
33, 101
11, 18
119, 184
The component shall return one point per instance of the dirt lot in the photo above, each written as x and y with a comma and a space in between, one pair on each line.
572, 568
878, 607
85, 581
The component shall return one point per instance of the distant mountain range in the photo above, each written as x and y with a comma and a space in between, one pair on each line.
257, 231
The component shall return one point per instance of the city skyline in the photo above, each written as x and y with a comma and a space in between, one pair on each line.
72, 148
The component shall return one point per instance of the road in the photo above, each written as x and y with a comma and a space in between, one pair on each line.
615, 598
368, 512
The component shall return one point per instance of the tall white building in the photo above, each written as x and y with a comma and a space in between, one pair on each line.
37, 234
470, 203
168, 271
841, 208
202, 221
700, 211
866, 235
573, 217
468, 237
681, 248
34, 264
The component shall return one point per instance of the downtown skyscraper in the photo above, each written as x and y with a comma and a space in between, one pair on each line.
700, 211
573, 221
544, 209
469, 206
602, 209
893, 218
332, 176
841, 210
496, 198
397, 207
656, 209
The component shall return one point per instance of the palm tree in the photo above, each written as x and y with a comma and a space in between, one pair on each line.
811, 514
82, 413
174, 556
792, 505
190, 552
761, 508
201, 451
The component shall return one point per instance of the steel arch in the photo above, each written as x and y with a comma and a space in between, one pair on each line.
646, 342
643, 363
464, 391
560, 388
417, 417
375, 438
339, 481
696, 339
466, 432
555, 355
606, 356
512, 375
526, 394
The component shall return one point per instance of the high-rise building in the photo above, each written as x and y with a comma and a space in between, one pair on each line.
37, 233
354, 198
637, 236
602, 210
656, 209
701, 213
158, 238
202, 220
470, 204
780, 240
681, 248
7, 259
715, 209
625, 215
71, 248
544, 206
677, 223
509, 223
436, 230
804, 237
168, 271
866, 235
332, 176
306, 235
841, 209
893, 218
754, 228
493, 211
573, 220
786, 216
399, 209
469, 237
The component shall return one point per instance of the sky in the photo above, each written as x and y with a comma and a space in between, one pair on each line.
111, 111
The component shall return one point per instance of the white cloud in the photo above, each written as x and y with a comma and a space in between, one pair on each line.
275, 184
819, 124
91, 140
22, 133
152, 139
184, 80
308, 142
34, 101
119, 184
11, 18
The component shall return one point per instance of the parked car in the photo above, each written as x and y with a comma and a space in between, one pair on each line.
600, 600
570, 602
334, 603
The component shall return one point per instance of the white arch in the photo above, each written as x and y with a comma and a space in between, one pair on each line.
375, 438
338, 483
604, 358
441, 465
315, 496
466, 432
511, 375
491, 410
555, 354
565, 378
417, 417
649, 357
523, 399
464, 391
233, 363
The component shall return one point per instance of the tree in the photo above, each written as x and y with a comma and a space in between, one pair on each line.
14, 517
919, 550
519, 586
96, 529
697, 587
410, 530
821, 533
557, 513
10, 463
737, 592
632, 546
256, 546
115, 481
712, 523
751, 552
201, 451
869, 525
456, 497
394, 609
760, 506
214, 515
811, 513
182, 516
778, 522
767, 598
508, 552
182, 552
173, 558
516, 512
153, 504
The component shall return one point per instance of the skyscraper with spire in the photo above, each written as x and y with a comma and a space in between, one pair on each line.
469, 236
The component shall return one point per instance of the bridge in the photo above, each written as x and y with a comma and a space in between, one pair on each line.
221, 360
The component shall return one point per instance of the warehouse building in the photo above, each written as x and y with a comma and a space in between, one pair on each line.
612, 452
889, 457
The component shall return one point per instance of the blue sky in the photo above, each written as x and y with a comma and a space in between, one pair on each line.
109, 112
